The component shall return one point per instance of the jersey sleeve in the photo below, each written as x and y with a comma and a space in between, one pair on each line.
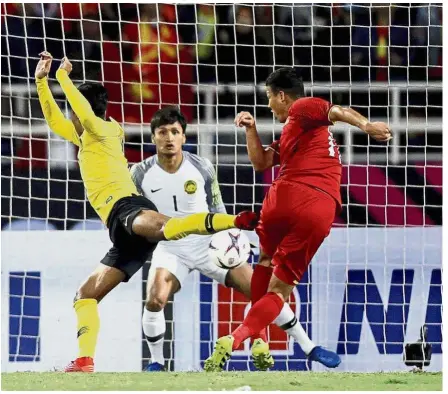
275, 147
81, 107
214, 198
137, 175
53, 114
310, 113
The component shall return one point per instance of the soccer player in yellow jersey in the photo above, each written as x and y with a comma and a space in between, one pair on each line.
134, 224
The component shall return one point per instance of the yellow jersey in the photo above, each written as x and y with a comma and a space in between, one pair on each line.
104, 168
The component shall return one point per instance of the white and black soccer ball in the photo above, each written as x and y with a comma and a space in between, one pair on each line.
229, 249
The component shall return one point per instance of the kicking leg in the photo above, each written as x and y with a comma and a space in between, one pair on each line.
161, 285
155, 227
91, 292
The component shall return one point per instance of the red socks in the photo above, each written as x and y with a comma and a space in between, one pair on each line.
260, 282
259, 317
258, 288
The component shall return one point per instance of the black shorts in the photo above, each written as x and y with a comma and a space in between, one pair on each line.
129, 251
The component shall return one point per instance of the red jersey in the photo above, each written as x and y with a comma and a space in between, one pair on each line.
307, 152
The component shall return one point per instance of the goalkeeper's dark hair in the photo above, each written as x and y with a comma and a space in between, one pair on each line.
168, 115
288, 80
96, 95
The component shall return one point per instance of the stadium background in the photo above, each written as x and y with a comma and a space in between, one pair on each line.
386, 62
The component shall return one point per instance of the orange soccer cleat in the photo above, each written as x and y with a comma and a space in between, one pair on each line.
81, 364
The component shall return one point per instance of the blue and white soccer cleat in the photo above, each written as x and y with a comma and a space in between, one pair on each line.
155, 367
325, 357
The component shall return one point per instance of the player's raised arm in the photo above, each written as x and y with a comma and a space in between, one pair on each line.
260, 157
380, 131
79, 104
52, 113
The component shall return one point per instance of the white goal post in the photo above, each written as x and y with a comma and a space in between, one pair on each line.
377, 279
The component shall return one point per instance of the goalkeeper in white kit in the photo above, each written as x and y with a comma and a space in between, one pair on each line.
180, 183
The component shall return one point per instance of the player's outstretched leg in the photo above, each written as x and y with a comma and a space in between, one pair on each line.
208, 223
92, 291
155, 227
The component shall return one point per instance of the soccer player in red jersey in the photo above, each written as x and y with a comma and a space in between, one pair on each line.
300, 206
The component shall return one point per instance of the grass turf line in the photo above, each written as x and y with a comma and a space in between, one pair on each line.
182, 381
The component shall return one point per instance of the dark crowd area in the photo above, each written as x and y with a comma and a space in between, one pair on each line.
154, 54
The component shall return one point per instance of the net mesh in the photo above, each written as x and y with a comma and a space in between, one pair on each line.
212, 61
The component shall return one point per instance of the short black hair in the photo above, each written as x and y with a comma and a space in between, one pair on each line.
96, 95
288, 80
168, 115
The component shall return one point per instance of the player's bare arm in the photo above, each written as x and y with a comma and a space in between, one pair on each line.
260, 157
379, 131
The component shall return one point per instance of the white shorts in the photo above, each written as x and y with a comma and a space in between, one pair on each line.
180, 261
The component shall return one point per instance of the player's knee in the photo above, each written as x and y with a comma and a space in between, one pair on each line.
156, 303
98, 284
282, 291
281, 288
139, 225
86, 291
148, 224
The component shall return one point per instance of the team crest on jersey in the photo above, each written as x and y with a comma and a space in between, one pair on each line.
190, 187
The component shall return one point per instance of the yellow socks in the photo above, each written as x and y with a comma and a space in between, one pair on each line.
197, 223
88, 326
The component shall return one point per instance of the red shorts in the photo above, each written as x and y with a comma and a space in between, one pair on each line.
295, 220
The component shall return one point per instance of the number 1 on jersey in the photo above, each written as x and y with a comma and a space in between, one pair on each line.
175, 203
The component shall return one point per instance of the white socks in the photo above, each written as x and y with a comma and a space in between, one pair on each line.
154, 328
287, 321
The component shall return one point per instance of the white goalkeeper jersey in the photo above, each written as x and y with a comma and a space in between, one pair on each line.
193, 188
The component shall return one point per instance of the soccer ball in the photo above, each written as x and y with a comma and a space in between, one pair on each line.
229, 249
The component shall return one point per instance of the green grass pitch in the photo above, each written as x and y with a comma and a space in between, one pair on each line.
230, 381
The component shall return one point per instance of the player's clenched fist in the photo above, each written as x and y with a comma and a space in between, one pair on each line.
44, 65
379, 131
244, 119
66, 65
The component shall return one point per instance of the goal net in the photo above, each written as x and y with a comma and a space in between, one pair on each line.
377, 279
